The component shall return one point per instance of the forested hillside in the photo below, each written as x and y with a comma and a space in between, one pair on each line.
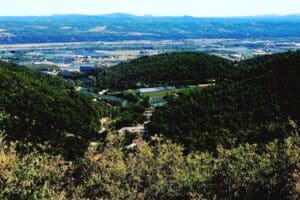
45, 108
253, 106
185, 68
237, 139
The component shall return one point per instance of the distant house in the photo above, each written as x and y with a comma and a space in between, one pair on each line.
87, 69
146, 90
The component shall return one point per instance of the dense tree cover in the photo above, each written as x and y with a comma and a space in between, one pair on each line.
183, 68
280, 74
252, 106
130, 115
249, 120
45, 108
157, 171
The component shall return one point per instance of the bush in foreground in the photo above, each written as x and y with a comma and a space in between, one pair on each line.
157, 171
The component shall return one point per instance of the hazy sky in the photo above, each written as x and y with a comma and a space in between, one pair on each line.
153, 7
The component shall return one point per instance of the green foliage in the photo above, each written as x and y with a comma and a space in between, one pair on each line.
163, 171
45, 108
43, 66
3, 120
249, 120
252, 106
157, 171
130, 115
130, 95
34, 176
185, 68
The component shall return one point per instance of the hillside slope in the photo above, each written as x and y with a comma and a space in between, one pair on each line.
45, 108
180, 68
254, 106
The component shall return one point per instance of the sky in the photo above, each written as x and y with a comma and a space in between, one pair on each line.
197, 8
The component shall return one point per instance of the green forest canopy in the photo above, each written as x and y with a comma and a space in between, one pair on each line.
46, 108
253, 106
177, 68
251, 102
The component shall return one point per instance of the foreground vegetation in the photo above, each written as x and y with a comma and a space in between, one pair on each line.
159, 170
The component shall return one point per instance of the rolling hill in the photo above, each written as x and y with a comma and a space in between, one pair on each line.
179, 68
253, 106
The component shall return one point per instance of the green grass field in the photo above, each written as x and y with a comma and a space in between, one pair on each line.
166, 92
35, 67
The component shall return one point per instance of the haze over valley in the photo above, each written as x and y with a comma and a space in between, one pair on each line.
70, 40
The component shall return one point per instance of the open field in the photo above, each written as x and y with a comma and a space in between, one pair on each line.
166, 92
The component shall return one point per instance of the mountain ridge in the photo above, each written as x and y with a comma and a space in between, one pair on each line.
121, 14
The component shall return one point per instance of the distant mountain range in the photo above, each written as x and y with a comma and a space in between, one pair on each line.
127, 15
120, 26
